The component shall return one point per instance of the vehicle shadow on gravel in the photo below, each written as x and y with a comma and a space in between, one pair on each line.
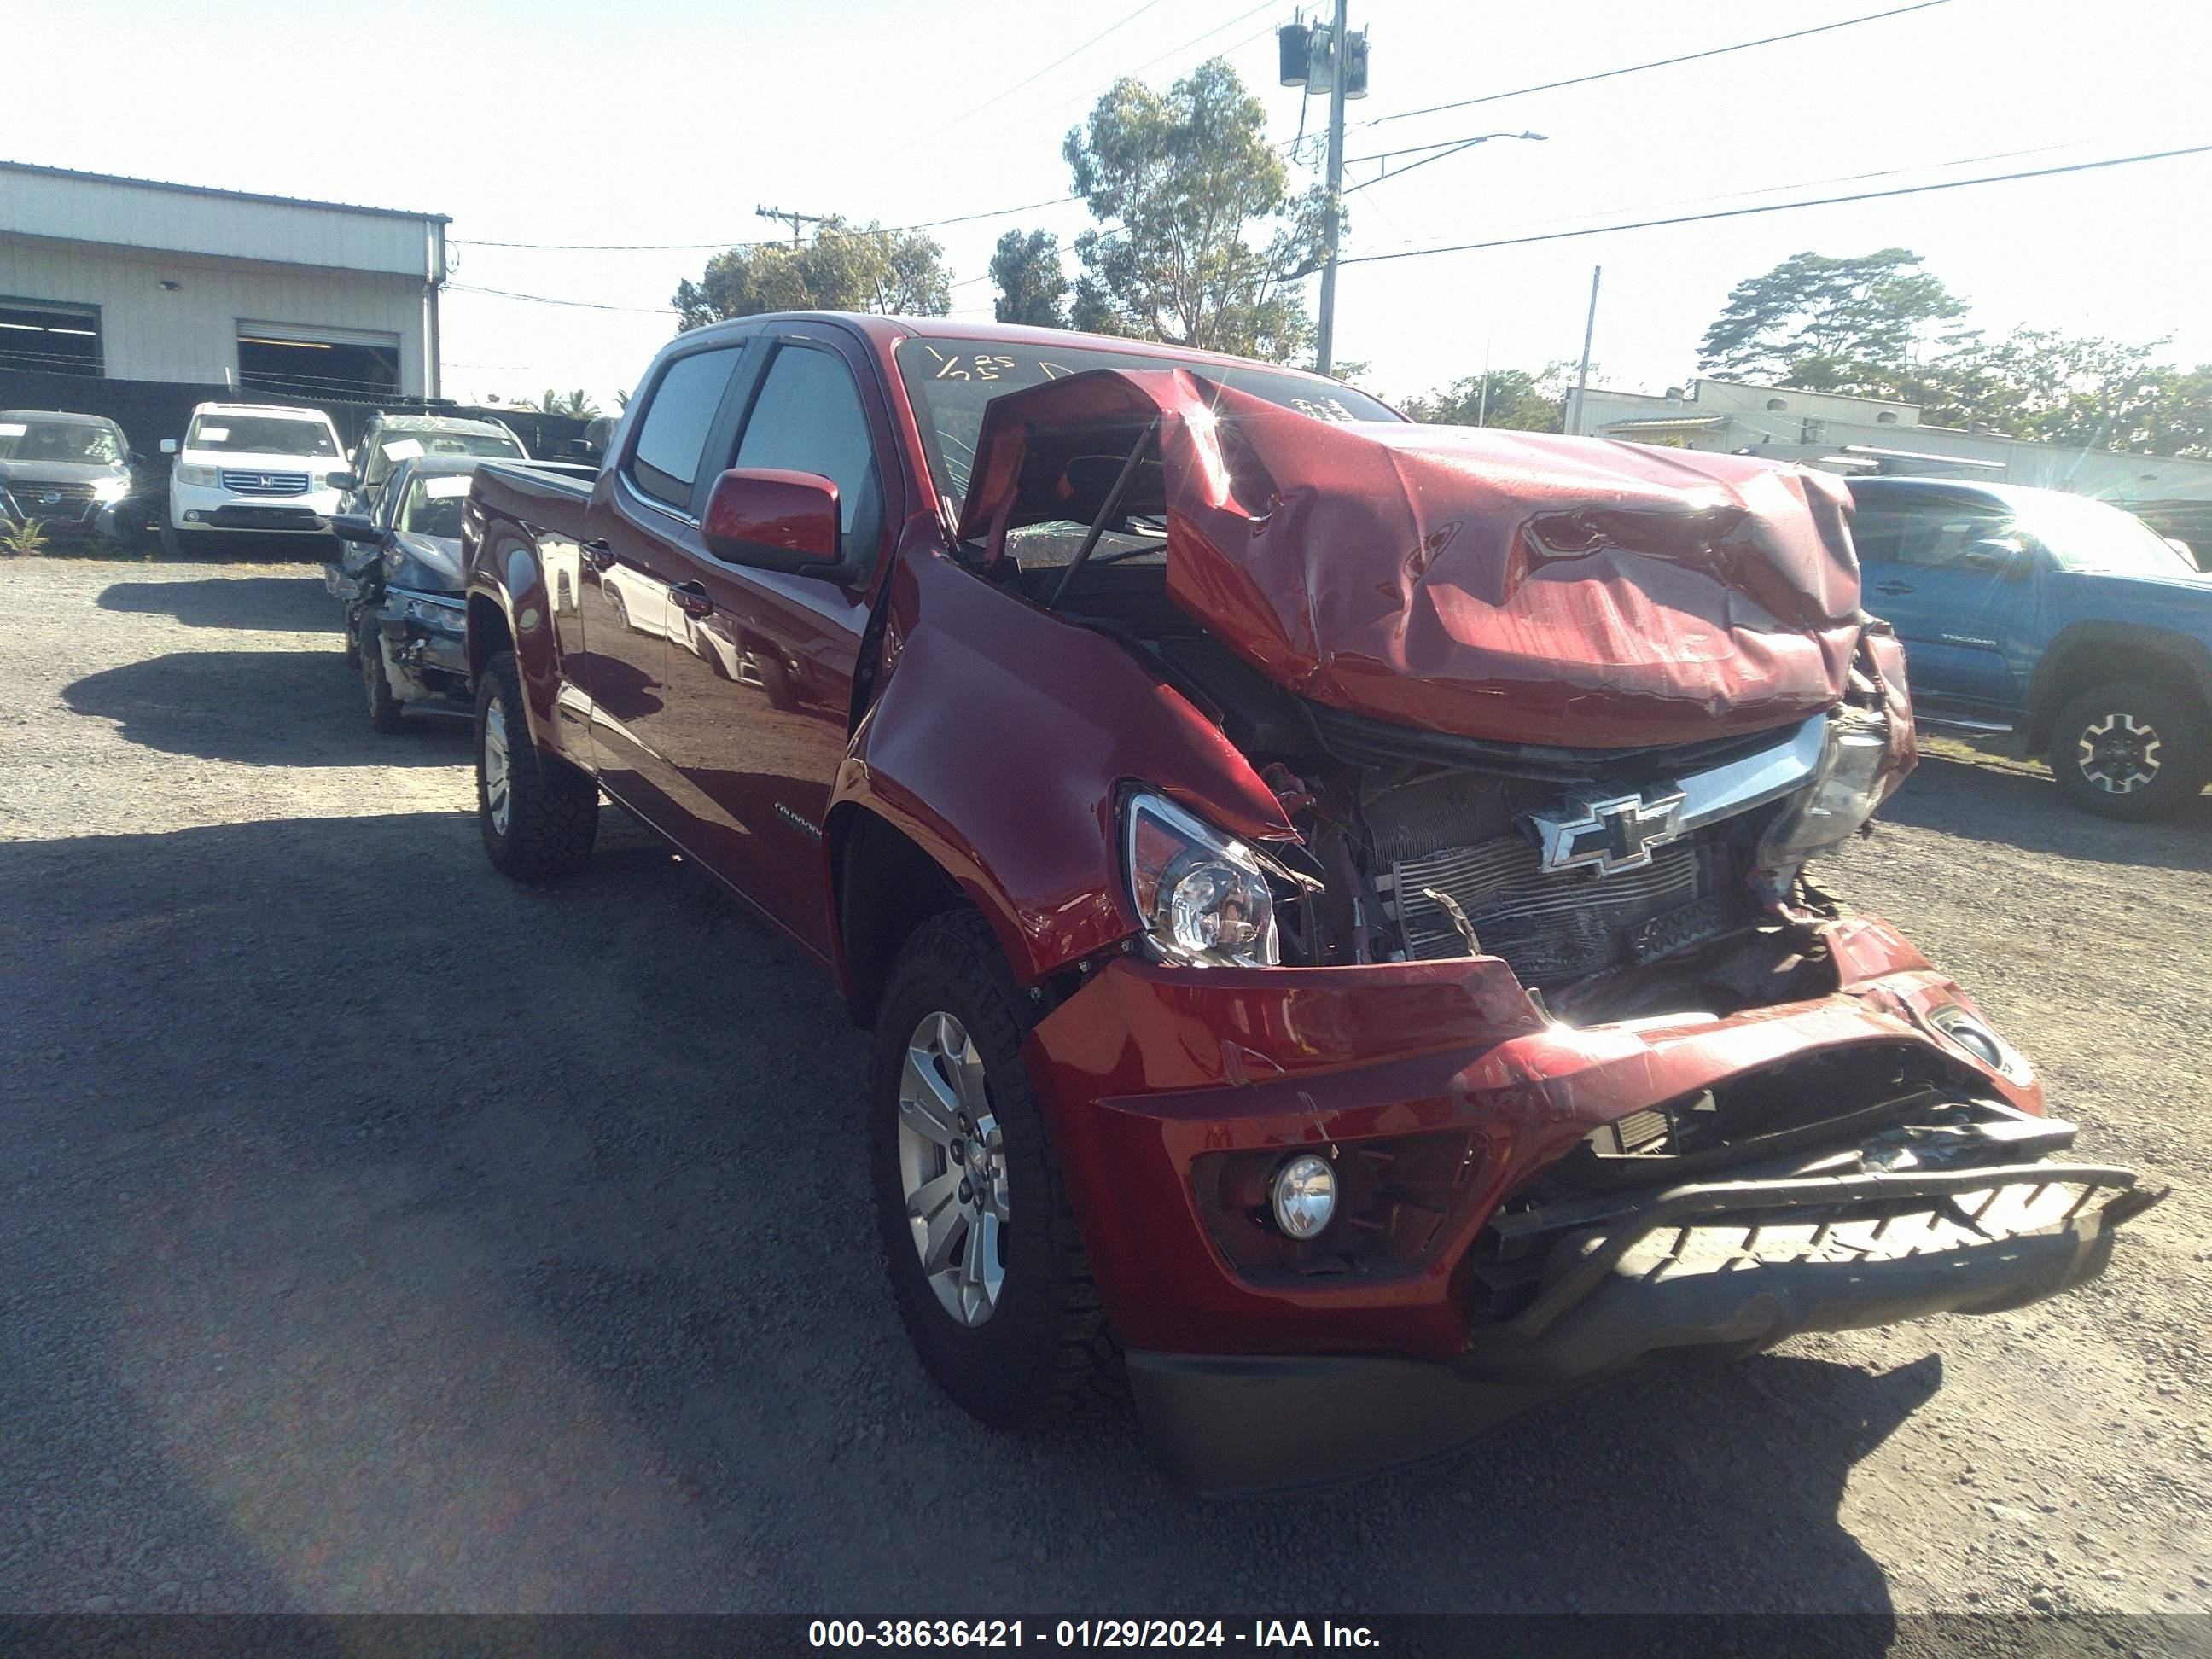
260, 708
2024, 809
294, 604
474, 1246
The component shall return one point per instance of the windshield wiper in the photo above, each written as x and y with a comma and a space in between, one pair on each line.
1109, 510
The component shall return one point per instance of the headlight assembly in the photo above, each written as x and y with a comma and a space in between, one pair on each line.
440, 618
196, 475
1203, 896
1975, 1037
111, 489
1843, 795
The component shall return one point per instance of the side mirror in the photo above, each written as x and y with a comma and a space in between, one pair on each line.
356, 528
168, 446
776, 520
2003, 556
344, 481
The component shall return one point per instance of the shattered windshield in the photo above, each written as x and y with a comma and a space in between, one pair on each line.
60, 440
395, 446
433, 506
951, 381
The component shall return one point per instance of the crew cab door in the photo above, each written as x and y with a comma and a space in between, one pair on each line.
642, 523
760, 663
1966, 612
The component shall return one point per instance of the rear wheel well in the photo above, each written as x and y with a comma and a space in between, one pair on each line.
488, 632
887, 887
2088, 666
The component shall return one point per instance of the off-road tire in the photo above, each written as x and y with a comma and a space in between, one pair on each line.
1045, 1349
2182, 756
553, 809
376, 685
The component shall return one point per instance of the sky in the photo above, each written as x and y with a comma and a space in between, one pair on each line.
538, 121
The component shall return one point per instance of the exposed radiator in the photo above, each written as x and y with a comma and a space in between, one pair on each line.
1548, 927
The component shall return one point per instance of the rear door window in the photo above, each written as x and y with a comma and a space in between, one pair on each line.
809, 418
673, 438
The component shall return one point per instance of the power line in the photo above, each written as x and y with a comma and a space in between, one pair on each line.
1176, 52
701, 247
1442, 151
925, 224
1662, 63
1006, 93
1784, 206
1794, 184
548, 299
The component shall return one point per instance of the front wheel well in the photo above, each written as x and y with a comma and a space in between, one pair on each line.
2086, 668
887, 887
488, 632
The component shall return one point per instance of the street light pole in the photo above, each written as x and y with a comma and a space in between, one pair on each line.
1590, 333
1325, 346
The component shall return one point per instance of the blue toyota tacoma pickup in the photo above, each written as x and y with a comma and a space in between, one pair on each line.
2062, 619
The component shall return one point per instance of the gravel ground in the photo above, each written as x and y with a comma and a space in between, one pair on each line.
376, 1236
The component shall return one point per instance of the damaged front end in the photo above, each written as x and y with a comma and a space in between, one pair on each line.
1530, 998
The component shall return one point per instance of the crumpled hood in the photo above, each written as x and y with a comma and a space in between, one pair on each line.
1499, 585
439, 557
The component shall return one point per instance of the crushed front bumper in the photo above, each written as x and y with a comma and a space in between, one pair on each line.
1727, 1267
1257, 1370
427, 667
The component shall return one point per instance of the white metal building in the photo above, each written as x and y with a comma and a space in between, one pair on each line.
1865, 435
133, 279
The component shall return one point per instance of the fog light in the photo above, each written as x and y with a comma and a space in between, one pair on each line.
192, 517
1304, 1195
1977, 1040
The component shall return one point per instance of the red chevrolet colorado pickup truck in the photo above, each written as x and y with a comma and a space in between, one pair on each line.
1329, 893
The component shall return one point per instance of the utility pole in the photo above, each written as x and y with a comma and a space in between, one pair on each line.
1590, 330
1325, 345
1482, 403
797, 219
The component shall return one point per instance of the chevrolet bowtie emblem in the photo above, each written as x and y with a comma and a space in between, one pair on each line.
1605, 836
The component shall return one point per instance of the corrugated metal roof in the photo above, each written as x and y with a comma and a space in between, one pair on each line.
1672, 423
209, 189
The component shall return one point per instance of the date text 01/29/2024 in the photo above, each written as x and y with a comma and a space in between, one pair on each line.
1085, 1633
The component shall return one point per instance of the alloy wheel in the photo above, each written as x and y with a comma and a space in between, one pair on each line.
2119, 754
495, 764
953, 1167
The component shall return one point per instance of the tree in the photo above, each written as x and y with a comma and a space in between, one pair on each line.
1032, 288
1181, 185
1517, 402
2080, 391
1829, 325
2183, 419
892, 272
577, 405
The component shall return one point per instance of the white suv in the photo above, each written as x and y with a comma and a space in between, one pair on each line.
254, 467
